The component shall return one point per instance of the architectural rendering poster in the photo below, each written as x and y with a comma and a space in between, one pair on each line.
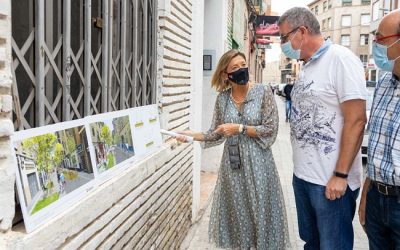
57, 165
112, 141
155, 138
138, 125
54, 169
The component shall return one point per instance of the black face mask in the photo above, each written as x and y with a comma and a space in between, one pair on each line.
240, 76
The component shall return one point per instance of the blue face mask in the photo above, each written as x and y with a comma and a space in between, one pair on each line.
381, 59
288, 50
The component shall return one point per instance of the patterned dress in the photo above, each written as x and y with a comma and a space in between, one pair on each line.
248, 209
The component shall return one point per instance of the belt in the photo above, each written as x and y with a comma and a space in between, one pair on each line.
387, 190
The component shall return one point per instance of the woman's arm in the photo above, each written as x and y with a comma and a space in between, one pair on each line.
211, 137
266, 133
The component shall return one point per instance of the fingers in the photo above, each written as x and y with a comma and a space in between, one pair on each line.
333, 194
361, 217
219, 130
226, 130
361, 212
181, 138
222, 130
335, 188
186, 132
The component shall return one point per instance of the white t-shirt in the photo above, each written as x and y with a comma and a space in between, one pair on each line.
336, 76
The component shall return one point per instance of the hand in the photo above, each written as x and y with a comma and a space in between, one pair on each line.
363, 203
228, 129
183, 134
361, 210
335, 188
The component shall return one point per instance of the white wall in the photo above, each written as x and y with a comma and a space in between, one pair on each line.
197, 97
215, 34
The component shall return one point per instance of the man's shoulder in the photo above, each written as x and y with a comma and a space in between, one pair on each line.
337, 50
385, 79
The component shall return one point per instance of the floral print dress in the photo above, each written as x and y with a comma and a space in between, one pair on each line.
248, 209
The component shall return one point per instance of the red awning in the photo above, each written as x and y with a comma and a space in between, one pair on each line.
267, 29
263, 41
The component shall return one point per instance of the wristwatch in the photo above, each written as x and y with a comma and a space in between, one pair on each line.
340, 175
240, 128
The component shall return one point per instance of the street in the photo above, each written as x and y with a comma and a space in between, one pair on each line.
121, 154
282, 151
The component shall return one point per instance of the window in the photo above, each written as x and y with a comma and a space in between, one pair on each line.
316, 10
365, 2
386, 6
364, 39
364, 59
329, 23
345, 40
110, 88
329, 4
373, 75
312, 10
375, 11
365, 19
323, 24
325, 6
347, 2
346, 20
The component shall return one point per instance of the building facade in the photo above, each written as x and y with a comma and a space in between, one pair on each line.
379, 8
346, 22
78, 58
227, 25
115, 55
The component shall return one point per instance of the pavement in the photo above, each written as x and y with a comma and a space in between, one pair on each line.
197, 238
121, 154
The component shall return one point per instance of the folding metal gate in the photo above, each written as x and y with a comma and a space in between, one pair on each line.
74, 58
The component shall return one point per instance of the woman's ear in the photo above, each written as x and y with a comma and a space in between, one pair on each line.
225, 76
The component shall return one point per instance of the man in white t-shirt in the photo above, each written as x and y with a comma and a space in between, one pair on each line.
327, 125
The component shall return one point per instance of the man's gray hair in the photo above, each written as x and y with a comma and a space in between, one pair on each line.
300, 16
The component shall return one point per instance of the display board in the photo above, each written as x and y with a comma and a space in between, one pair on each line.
58, 165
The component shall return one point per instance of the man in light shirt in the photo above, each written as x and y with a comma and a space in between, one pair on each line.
327, 126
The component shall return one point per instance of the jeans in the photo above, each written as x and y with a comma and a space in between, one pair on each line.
288, 109
382, 220
324, 224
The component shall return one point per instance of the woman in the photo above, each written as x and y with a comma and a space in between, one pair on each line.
248, 209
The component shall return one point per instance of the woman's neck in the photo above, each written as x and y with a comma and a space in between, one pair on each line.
240, 89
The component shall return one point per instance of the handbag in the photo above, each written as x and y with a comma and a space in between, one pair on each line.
233, 148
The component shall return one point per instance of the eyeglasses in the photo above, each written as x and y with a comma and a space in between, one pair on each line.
376, 39
284, 38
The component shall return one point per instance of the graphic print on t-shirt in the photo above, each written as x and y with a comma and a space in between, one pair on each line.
312, 123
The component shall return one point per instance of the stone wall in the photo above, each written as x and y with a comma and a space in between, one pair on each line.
147, 206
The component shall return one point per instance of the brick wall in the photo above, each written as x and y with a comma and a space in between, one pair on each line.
149, 205
6, 126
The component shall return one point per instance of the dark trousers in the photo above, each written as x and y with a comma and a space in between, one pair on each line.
288, 109
382, 220
324, 224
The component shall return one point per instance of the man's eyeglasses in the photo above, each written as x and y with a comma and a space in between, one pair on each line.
378, 39
284, 38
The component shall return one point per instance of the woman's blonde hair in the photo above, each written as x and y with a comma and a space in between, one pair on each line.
218, 82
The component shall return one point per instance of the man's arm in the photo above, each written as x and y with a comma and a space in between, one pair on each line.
351, 139
363, 202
